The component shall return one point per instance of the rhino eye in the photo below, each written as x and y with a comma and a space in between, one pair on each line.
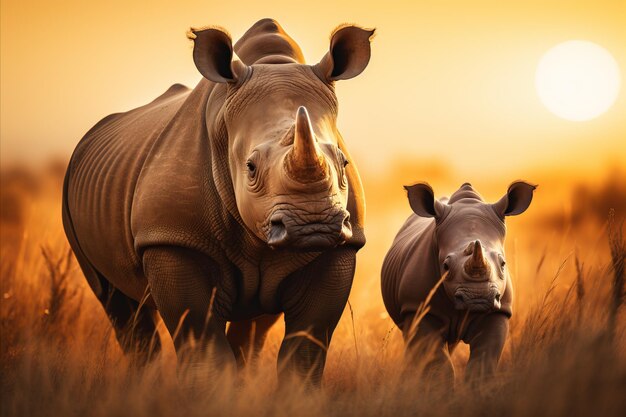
502, 261
446, 265
251, 168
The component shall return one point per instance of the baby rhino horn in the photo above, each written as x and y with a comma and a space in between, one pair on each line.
476, 265
305, 162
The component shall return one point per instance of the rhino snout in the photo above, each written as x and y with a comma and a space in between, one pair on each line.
288, 231
465, 299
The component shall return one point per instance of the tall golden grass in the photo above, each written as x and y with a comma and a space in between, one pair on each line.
566, 354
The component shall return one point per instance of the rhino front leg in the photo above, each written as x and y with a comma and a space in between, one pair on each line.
313, 301
427, 351
182, 283
486, 339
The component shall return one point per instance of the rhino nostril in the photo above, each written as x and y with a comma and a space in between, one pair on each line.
459, 298
278, 232
278, 227
346, 221
498, 297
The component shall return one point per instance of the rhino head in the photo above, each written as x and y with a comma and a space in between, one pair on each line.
287, 169
470, 239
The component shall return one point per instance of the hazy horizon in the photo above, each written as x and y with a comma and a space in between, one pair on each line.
450, 83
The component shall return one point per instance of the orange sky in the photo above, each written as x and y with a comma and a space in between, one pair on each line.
448, 80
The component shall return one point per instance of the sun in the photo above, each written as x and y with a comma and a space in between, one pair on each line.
577, 80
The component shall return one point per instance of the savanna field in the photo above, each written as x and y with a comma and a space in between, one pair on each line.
566, 354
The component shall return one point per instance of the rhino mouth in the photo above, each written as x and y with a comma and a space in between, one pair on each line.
287, 231
481, 301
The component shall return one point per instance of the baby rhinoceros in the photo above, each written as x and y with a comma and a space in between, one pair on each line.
445, 279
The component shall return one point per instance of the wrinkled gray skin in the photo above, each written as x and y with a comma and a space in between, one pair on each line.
237, 198
459, 241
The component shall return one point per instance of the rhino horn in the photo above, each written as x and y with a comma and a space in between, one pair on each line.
476, 265
305, 162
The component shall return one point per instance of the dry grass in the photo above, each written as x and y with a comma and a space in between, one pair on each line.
566, 354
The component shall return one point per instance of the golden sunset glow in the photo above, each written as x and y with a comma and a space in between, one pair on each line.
446, 79
523, 99
578, 80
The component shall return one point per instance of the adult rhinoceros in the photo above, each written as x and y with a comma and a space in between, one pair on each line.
232, 202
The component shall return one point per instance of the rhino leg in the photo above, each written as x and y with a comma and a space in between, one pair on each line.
486, 338
134, 325
427, 352
182, 283
313, 301
247, 337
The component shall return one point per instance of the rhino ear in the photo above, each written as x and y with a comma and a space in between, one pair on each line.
348, 56
516, 200
422, 201
213, 55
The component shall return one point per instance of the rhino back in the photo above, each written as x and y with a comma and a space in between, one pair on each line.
101, 180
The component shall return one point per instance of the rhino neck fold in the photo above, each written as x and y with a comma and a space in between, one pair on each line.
218, 142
